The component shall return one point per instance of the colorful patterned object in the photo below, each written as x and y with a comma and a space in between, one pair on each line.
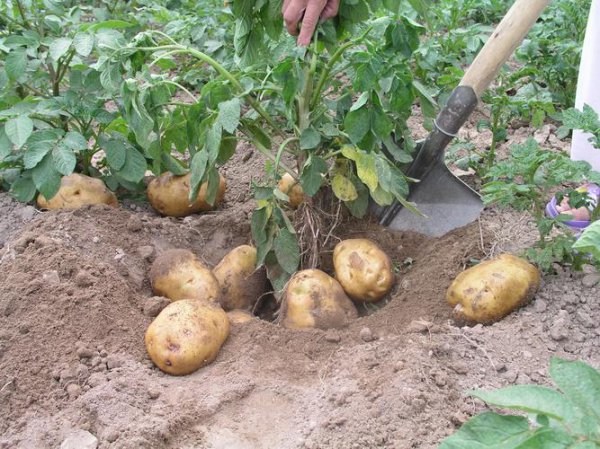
576, 225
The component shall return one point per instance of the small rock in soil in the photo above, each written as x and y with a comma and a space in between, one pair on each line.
80, 439
27, 213
540, 305
590, 280
84, 279
585, 319
114, 361
96, 239
84, 353
153, 306
51, 277
367, 335
112, 436
332, 336
73, 390
134, 224
419, 326
145, 252
153, 393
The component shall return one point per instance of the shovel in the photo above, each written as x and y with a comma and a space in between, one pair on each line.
445, 201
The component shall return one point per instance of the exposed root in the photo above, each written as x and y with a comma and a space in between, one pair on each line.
316, 222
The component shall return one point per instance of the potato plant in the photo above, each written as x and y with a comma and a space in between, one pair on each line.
328, 115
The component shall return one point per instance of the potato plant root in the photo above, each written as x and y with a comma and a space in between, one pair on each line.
75, 302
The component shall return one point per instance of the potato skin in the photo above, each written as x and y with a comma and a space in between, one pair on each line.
186, 335
238, 316
363, 269
178, 274
292, 189
491, 290
168, 195
241, 283
314, 299
76, 191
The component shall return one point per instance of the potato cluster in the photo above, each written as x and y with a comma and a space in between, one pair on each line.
363, 273
190, 331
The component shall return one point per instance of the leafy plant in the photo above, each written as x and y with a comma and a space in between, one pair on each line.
328, 115
54, 113
553, 48
555, 419
525, 181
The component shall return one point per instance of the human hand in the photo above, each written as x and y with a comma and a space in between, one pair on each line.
313, 10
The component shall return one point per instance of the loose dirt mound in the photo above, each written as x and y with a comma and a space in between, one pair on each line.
75, 302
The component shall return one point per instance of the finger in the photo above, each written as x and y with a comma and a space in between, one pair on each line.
292, 15
330, 10
309, 22
285, 5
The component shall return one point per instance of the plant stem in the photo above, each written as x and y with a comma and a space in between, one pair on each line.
22, 12
179, 86
281, 149
334, 59
65, 67
267, 152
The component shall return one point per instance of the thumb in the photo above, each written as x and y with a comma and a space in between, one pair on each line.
309, 23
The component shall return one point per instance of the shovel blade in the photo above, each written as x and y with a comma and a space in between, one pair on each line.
446, 201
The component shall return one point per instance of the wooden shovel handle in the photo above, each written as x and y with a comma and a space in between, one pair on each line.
502, 43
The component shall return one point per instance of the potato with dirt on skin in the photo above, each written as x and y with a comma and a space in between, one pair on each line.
178, 274
491, 290
292, 188
186, 335
169, 195
363, 269
76, 191
314, 299
241, 282
239, 316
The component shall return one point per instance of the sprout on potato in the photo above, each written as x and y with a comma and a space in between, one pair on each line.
288, 185
363, 269
186, 335
491, 290
314, 299
241, 283
76, 191
178, 274
169, 195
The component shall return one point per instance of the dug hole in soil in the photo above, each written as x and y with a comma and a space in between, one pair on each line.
75, 302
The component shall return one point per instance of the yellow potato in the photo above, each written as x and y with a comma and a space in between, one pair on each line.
186, 335
241, 283
491, 290
168, 194
78, 190
177, 274
314, 299
363, 269
238, 316
292, 189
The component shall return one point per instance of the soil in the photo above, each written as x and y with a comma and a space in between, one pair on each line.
75, 301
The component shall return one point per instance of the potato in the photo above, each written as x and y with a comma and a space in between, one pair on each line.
178, 274
491, 290
292, 189
241, 283
314, 299
168, 194
363, 269
78, 190
186, 335
239, 316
